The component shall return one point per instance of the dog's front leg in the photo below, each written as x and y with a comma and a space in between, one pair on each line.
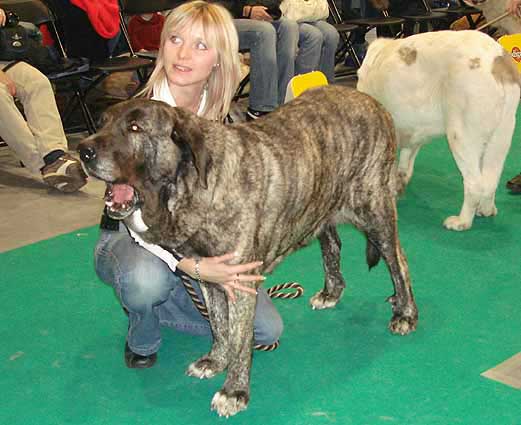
235, 394
217, 359
334, 284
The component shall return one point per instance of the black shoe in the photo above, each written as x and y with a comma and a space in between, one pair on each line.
135, 361
514, 184
252, 115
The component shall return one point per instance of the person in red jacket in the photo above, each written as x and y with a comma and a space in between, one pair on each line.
145, 31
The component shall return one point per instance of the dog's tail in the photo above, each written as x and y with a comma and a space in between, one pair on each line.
372, 254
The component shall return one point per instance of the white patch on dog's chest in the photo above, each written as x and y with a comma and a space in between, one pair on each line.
136, 225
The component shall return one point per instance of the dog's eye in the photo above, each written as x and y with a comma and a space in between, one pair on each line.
134, 127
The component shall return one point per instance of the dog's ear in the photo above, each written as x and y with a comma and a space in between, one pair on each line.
187, 133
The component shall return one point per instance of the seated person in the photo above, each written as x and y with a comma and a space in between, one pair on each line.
273, 45
145, 31
40, 141
318, 42
91, 28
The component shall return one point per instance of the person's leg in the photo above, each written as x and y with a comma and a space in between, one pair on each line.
309, 49
141, 281
44, 150
35, 92
260, 39
329, 46
287, 46
14, 129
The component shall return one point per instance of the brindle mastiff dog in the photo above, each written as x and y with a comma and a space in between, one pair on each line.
264, 189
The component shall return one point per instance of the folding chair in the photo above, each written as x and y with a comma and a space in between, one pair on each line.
300, 83
38, 13
462, 10
99, 70
424, 20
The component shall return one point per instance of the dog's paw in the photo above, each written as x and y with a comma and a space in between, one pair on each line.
402, 325
487, 210
228, 404
322, 300
204, 368
455, 222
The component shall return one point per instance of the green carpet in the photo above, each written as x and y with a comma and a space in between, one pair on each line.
63, 332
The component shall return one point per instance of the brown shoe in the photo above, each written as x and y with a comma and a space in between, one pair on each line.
515, 184
65, 174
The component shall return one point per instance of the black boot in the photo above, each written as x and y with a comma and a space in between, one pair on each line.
135, 361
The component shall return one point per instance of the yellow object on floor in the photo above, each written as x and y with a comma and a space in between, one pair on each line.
512, 44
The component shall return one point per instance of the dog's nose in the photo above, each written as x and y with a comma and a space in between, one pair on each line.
87, 153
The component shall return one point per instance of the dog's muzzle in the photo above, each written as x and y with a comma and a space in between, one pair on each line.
121, 200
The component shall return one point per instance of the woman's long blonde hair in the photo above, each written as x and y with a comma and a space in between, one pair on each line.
220, 33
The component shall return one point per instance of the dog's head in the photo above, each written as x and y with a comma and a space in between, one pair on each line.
142, 146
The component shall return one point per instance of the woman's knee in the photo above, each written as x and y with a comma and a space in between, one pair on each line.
139, 278
268, 325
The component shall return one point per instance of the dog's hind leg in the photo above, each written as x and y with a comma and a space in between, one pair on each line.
406, 164
465, 146
217, 359
334, 283
235, 394
381, 229
492, 163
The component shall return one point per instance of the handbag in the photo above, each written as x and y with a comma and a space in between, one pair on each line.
20, 41
305, 10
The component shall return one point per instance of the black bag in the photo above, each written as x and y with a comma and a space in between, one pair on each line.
22, 42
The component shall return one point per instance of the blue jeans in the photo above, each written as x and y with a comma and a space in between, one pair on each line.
318, 42
155, 296
273, 47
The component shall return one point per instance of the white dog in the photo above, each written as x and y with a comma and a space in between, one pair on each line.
461, 84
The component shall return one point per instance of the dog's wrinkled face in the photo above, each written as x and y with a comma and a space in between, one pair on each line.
140, 140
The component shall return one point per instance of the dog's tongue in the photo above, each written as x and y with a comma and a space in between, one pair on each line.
122, 193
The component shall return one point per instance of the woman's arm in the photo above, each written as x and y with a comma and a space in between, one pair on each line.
218, 270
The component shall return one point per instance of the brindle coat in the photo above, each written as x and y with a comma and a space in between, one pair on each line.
263, 189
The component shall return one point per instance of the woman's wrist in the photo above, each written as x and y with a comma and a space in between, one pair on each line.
187, 265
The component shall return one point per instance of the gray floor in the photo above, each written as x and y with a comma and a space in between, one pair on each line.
31, 211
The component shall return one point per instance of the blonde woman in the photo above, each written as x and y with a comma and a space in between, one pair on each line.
197, 68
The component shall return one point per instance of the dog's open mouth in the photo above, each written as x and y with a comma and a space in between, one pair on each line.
121, 200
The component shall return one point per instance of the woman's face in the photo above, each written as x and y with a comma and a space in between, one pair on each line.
188, 59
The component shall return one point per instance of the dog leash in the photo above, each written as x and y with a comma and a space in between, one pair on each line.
493, 21
273, 292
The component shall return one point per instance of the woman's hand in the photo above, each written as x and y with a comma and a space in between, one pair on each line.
513, 7
4, 79
2, 17
218, 270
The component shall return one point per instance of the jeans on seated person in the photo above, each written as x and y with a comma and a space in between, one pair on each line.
155, 296
318, 42
273, 47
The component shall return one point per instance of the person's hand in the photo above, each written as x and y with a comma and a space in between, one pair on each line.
513, 7
259, 13
218, 270
2, 17
4, 79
